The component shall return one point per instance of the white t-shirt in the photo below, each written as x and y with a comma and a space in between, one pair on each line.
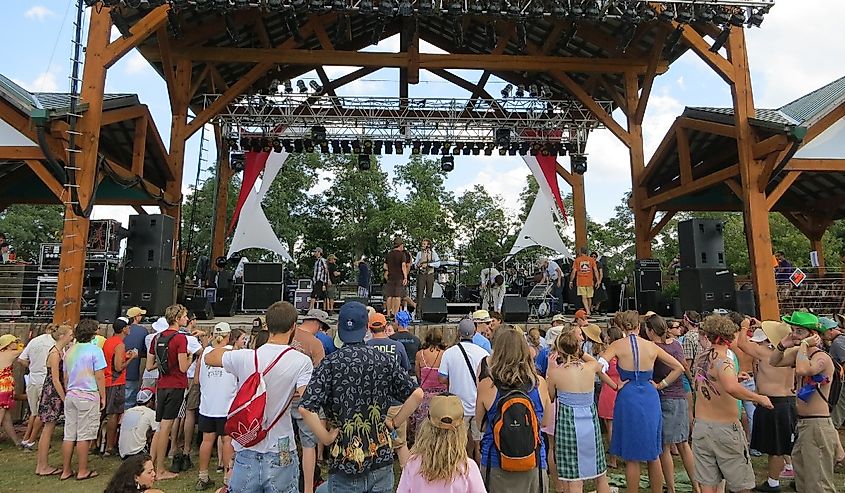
151, 374
137, 421
194, 347
454, 366
36, 353
291, 372
217, 389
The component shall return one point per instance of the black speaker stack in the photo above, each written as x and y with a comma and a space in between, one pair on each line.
515, 309
263, 282
705, 281
648, 284
434, 310
149, 280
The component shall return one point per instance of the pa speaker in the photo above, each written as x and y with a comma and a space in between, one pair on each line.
200, 306
515, 309
108, 306
434, 310
745, 302
261, 296
150, 241
701, 244
260, 272
150, 288
705, 290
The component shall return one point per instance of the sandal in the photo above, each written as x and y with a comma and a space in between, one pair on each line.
90, 475
54, 472
65, 478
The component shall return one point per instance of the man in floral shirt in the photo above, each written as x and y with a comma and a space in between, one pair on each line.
354, 386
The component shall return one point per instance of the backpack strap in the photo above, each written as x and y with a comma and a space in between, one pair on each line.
819, 390
270, 367
469, 365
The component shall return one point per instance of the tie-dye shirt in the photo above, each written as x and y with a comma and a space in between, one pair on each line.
82, 360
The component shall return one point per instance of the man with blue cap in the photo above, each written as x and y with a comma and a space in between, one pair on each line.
354, 386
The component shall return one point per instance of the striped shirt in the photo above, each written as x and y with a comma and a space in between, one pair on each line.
321, 270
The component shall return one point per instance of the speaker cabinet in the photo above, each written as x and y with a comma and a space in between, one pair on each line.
746, 304
705, 290
150, 288
701, 244
200, 306
260, 296
363, 301
434, 310
150, 242
515, 309
255, 272
108, 306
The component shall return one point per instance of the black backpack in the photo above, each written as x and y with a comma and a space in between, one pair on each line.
162, 359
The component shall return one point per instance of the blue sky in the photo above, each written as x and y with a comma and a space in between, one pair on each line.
797, 50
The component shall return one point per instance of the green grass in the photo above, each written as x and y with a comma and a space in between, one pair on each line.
18, 472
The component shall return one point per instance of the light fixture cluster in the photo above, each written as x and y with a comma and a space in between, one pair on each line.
541, 91
286, 87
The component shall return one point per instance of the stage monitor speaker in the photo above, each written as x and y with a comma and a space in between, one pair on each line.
150, 288
746, 304
363, 301
701, 243
261, 296
224, 305
108, 306
705, 290
434, 310
515, 309
150, 241
200, 306
260, 272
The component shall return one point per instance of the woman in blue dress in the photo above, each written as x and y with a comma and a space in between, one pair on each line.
637, 420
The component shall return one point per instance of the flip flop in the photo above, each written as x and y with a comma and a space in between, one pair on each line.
54, 472
65, 478
90, 475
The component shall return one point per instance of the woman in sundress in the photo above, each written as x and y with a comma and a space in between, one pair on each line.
51, 406
607, 396
579, 448
427, 364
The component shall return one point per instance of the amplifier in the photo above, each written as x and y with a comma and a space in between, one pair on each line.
50, 256
103, 236
263, 272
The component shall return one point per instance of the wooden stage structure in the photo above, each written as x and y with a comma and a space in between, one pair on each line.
585, 56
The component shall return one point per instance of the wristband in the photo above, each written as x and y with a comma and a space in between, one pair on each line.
664, 383
780, 347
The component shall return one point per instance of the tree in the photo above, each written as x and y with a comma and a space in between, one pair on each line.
425, 213
28, 226
484, 230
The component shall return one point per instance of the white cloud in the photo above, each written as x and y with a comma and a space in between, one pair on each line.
43, 82
502, 177
135, 64
38, 13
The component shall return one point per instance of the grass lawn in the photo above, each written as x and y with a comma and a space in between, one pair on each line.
19, 473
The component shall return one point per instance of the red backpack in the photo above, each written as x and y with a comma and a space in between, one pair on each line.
245, 422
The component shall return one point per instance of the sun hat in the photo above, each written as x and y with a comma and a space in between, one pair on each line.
318, 315
446, 412
805, 320
352, 322
759, 335
592, 332
481, 316
466, 328
160, 325
775, 331
558, 318
135, 311
7, 339
552, 335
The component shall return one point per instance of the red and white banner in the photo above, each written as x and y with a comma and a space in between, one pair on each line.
253, 167
544, 169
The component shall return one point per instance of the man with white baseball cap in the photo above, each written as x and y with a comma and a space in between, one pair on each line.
483, 334
138, 425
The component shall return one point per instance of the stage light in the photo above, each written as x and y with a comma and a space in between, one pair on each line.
545, 91
488, 150
318, 133
668, 14
524, 148
300, 84
536, 9
738, 18
446, 147
316, 6
388, 147
593, 11
237, 161
447, 164
274, 4
685, 15
546, 149
533, 91
339, 5
426, 147
366, 6
521, 35
630, 14
336, 149
520, 91
506, 91
721, 39
502, 152
704, 14
513, 9
576, 10
385, 8
476, 8
723, 16
399, 147
245, 143
356, 146
426, 7
466, 151
297, 145
255, 145
318, 89
288, 86
308, 144
405, 8
345, 147
377, 145
274, 86
578, 163
277, 145
535, 148
476, 150
368, 146
288, 143
647, 12
232, 143
756, 17
364, 162
415, 148
495, 7
513, 149
559, 10
324, 147
503, 137
456, 7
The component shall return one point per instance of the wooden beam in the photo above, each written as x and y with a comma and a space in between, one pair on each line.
323, 37
605, 118
684, 158
198, 81
261, 30
166, 59
694, 186
17, 153
518, 63
775, 143
825, 122
563, 173
661, 224
824, 165
139, 147
46, 178
218, 83
722, 67
735, 186
139, 32
221, 201
650, 74
327, 84
140, 210
124, 114
709, 127
613, 93
781, 188
579, 209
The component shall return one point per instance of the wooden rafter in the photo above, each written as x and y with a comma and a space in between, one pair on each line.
781, 188
661, 224
684, 158
802, 164
202, 78
139, 32
717, 62
709, 127
124, 114
692, 187
606, 119
650, 74
139, 146
17, 153
825, 122
660, 153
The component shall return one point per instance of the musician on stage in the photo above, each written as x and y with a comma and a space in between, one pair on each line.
425, 262
492, 289
553, 275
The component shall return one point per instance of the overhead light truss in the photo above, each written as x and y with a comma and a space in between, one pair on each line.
395, 119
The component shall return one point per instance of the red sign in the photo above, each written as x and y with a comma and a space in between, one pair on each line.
797, 277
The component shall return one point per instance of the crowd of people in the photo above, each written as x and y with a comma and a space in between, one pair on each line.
498, 409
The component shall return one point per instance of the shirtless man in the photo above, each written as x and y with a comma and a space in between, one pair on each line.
774, 430
817, 445
719, 445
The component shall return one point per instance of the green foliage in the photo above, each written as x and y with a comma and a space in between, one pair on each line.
425, 213
28, 226
484, 233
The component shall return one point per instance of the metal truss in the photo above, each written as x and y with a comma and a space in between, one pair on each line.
440, 119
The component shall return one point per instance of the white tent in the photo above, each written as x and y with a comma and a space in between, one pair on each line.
539, 229
253, 229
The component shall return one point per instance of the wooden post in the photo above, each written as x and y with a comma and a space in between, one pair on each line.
75, 232
817, 245
221, 199
579, 210
755, 210
180, 93
642, 218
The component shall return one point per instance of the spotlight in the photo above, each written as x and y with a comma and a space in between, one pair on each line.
385, 8
377, 145
545, 91
559, 9
324, 147
447, 163
668, 14
232, 143
756, 17
415, 148
316, 6
318, 133
255, 145
502, 152
513, 149
592, 11
237, 160
356, 146
318, 89
456, 7
288, 86
533, 91
738, 18
476, 8
647, 12
495, 7
506, 91
388, 147
336, 149
277, 145
339, 5
535, 148
426, 7
704, 14
308, 145
503, 137
368, 146
345, 147
405, 8
488, 150
685, 15
274, 86
398, 147
288, 143
426, 147
536, 9
721, 39
578, 163
722, 16
524, 148
297, 146
300, 84
520, 91
476, 151
245, 143
364, 162
366, 6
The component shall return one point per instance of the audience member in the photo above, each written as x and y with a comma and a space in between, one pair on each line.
136, 474
34, 358
51, 404
138, 425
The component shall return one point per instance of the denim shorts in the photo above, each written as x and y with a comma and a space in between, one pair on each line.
264, 473
374, 481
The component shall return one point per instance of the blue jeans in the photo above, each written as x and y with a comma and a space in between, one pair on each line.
130, 393
256, 473
749, 405
375, 481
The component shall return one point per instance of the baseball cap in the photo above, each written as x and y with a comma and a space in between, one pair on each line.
759, 335
827, 323
144, 396
318, 249
135, 311
7, 339
119, 324
352, 322
318, 315
552, 335
481, 316
581, 314
558, 318
466, 328
446, 412
221, 329
377, 321
160, 325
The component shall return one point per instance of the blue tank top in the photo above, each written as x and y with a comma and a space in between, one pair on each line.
488, 447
